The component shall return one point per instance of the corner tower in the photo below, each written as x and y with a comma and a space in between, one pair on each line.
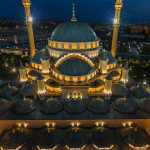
118, 6
29, 24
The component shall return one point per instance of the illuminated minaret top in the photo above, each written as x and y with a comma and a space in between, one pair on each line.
29, 24
118, 6
73, 18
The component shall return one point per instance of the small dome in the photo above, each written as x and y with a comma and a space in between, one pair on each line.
102, 137
8, 92
144, 104
34, 73
75, 138
39, 55
75, 106
108, 55
52, 83
97, 83
46, 55
124, 105
51, 106
48, 138
138, 92
119, 90
24, 106
73, 31
114, 74
131, 82
4, 105
40, 77
14, 138
16, 82
98, 105
30, 89
74, 67
134, 137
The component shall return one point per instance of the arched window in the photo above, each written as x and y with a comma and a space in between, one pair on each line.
75, 94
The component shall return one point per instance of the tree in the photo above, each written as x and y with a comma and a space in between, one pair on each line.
146, 48
134, 59
23, 53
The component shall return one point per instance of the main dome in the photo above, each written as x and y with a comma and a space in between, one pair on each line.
74, 31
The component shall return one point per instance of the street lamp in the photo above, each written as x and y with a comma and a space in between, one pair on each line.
14, 70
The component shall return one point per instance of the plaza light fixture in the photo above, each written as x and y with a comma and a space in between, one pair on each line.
13, 69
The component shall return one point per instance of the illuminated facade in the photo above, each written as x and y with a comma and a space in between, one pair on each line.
76, 96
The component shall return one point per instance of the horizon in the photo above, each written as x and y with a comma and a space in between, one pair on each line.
101, 11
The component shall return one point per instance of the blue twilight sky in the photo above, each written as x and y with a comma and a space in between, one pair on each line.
133, 11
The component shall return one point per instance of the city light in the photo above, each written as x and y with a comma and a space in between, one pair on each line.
13, 69
115, 20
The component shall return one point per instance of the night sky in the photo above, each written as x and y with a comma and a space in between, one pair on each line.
133, 11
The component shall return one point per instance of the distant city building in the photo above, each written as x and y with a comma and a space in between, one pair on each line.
15, 39
137, 29
133, 36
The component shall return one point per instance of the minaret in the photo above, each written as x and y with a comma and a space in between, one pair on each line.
29, 24
73, 17
118, 6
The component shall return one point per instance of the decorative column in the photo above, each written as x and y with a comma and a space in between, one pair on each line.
29, 24
62, 46
70, 46
125, 74
41, 84
78, 46
85, 46
118, 6
22, 73
103, 63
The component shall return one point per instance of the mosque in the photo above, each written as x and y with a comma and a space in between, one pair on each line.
73, 95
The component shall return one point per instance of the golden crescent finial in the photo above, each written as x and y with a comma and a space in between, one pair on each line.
51, 98
124, 98
8, 85
24, 98
13, 130
73, 18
